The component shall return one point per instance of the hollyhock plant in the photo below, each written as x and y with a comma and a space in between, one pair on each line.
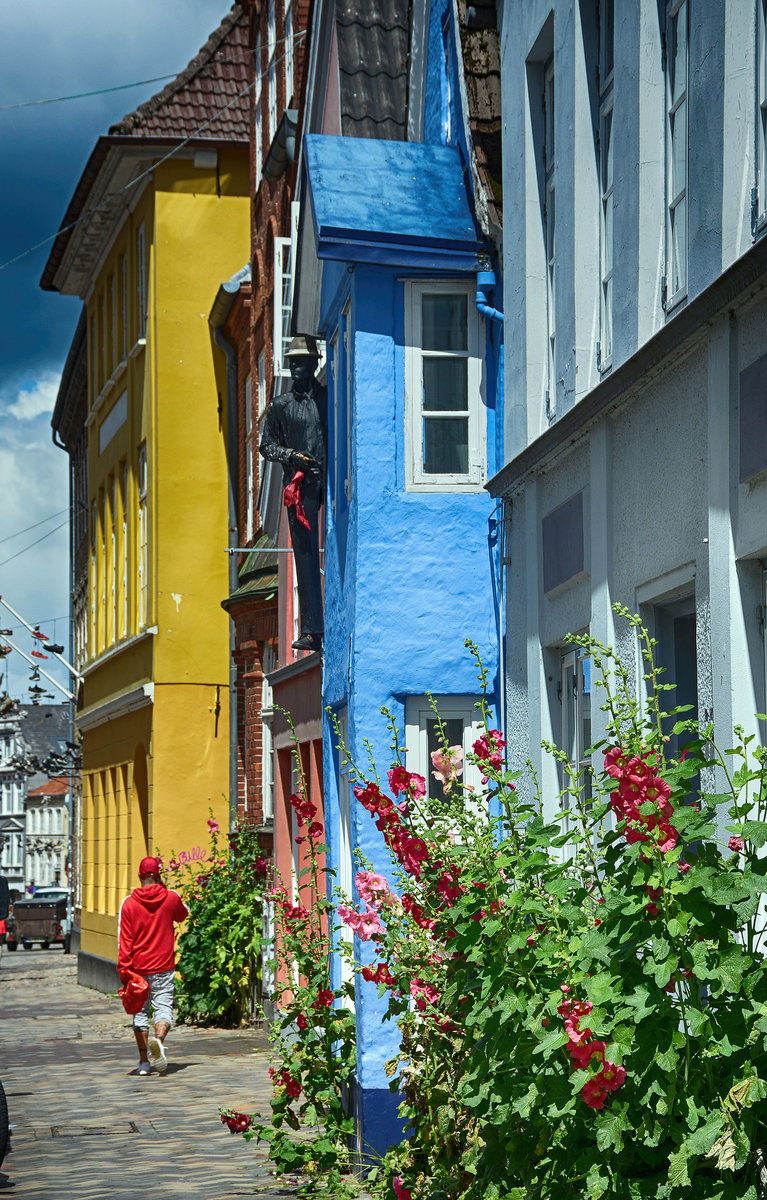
448, 766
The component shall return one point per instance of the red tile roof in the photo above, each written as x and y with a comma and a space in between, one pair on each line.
58, 786
213, 81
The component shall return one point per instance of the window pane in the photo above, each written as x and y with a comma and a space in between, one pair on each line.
607, 249
445, 321
679, 150
607, 151
607, 319
678, 247
446, 445
678, 53
454, 733
445, 384
607, 21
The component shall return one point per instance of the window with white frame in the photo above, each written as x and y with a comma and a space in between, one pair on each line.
287, 25
606, 92
143, 538
124, 308
271, 69
677, 68
262, 396
444, 426
250, 461
257, 120
267, 741
761, 111
283, 299
462, 726
141, 296
575, 698
124, 551
549, 234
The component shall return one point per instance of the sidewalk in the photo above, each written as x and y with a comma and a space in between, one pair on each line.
87, 1128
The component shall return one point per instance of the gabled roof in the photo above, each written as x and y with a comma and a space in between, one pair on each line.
58, 786
185, 110
215, 76
372, 43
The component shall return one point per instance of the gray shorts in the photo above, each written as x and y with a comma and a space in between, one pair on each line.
161, 989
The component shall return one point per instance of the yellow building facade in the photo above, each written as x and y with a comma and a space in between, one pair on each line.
153, 705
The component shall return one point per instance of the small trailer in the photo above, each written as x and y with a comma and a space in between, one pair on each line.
43, 922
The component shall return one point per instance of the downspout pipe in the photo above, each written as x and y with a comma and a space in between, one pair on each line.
485, 285
231, 406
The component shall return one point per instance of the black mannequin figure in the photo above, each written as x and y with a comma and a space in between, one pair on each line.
295, 434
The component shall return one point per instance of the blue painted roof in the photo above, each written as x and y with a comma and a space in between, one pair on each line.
395, 203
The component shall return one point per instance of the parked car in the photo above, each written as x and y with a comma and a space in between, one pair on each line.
42, 920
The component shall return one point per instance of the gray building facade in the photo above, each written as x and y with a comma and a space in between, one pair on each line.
635, 354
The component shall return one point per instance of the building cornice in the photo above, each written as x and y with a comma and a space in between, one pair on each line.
117, 706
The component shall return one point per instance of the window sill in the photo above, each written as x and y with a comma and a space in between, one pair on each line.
676, 302
445, 486
126, 644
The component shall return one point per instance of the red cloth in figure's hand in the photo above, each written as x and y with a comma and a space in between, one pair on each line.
134, 993
292, 498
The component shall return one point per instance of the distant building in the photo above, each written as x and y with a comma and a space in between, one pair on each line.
159, 214
47, 830
29, 734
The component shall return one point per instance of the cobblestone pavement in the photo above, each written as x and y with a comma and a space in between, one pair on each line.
86, 1127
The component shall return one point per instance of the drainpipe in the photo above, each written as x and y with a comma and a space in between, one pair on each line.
485, 284
231, 454
496, 535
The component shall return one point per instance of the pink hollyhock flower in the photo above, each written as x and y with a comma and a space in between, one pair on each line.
449, 887
583, 1054
402, 780
423, 993
735, 843
593, 1094
374, 889
293, 1088
611, 1076
400, 1191
301, 1021
448, 765
366, 925
213, 826
315, 831
616, 761
173, 865
682, 867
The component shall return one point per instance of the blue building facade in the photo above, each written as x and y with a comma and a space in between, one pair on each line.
390, 249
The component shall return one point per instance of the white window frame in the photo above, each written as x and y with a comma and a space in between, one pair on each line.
261, 384
143, 538
549, 236
250, 462
677, 202
268, 664
283, 300
287, 27
761, 113
416, 478
258, 132
141, 288
419, 713
271, 69
606, 184
576, 670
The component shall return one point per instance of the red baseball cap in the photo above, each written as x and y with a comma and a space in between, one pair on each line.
148, 866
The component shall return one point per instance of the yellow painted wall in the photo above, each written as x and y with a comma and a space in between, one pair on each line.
151, 775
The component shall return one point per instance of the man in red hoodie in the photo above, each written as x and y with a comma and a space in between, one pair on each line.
146, 944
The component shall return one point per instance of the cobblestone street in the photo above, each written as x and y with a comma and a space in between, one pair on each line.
85, 1126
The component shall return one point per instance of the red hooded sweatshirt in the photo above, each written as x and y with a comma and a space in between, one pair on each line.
145, 936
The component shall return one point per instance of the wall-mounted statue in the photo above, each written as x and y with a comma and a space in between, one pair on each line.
295, 434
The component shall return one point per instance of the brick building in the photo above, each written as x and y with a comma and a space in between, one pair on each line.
250, 320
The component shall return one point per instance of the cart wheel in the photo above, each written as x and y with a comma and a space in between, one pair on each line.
4, 1128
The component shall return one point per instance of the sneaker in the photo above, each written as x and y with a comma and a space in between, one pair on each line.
144, 1068
157, 1054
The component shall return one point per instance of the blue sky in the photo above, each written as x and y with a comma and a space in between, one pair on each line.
57, 48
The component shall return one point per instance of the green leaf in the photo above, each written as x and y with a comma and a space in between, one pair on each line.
701, 1141
678, 1175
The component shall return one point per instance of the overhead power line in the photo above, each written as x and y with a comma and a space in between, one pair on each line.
36, 543
132, 183
9, 537
121, 87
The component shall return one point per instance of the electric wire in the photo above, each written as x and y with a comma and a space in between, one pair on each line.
120, 87
132, 183
9, 537
36, 543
